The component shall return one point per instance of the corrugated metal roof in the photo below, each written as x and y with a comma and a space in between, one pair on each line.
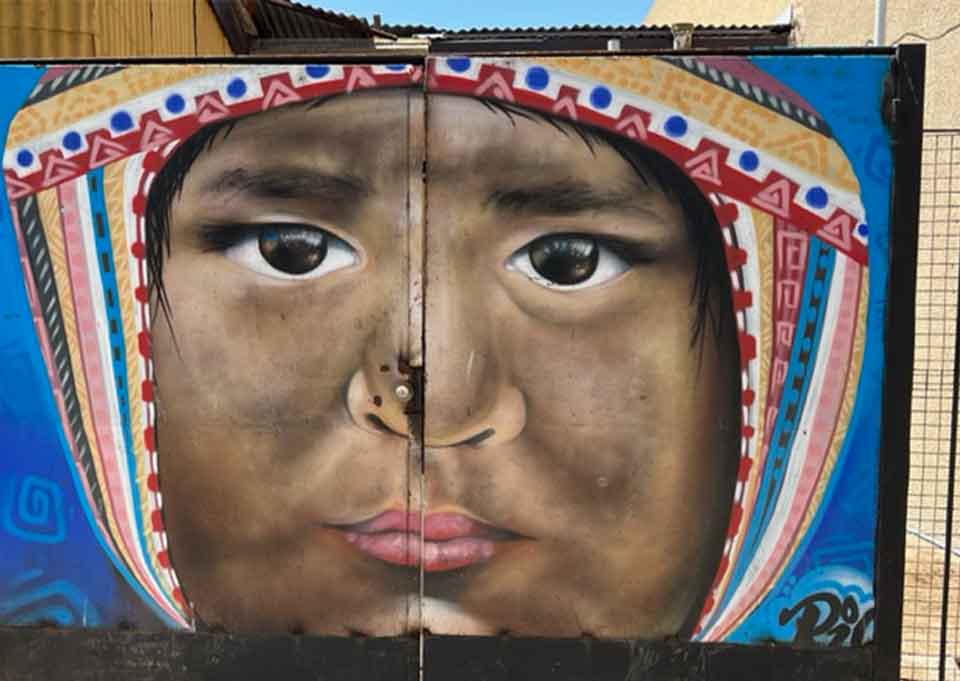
591, 38
287, 26
63, 28
582, 29
287, 19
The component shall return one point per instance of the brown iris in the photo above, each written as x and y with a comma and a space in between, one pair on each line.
564, 259
294, 250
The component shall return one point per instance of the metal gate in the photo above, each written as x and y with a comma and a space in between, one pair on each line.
931, 609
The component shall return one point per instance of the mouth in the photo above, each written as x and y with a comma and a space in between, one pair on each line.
444, 541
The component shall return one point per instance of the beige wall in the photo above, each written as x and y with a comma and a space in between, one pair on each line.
716, 12
109, 28
829, 22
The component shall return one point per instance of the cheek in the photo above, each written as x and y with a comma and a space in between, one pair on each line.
630, 388
245, 351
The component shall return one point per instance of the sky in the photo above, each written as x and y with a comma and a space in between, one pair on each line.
493, 13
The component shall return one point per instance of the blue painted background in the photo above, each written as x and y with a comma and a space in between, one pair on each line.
52, 568
837, 554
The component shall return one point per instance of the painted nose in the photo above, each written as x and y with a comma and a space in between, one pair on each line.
453, 416
469, 398
378, 401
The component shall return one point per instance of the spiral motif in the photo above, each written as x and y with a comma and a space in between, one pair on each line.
35, 511
36, 599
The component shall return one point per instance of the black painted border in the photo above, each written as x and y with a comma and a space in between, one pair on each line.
904, 113
78, 654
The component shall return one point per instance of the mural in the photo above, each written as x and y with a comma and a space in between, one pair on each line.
552, 346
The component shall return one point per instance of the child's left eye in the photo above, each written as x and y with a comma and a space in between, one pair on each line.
568, 262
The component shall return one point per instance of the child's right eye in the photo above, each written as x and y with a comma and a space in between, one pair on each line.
282, 250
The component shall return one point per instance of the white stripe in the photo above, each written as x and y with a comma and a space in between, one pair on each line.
798, 453
110, 381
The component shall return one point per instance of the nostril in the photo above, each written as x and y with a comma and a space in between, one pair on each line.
478, 438
378, 423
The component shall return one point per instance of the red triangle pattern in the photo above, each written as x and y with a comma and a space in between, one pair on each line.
838, 231
278, 94
705, 167
155, 134
359, 78
633, 126
567, 106
103, 150
495, 86
58, 170
16, 187
775, 198
210, 108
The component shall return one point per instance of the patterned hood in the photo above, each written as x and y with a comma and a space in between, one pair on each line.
82, 152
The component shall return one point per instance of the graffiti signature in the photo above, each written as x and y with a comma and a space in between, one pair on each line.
825, 619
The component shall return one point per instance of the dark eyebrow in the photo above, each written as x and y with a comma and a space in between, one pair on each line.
289, 183
559, 198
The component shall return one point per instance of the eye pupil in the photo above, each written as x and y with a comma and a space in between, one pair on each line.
293, 250
565, 260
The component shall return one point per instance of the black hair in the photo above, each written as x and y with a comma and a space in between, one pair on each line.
652, 168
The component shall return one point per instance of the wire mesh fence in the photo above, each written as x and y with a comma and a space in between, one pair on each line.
931, 608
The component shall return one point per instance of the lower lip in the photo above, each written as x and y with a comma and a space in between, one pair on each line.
406, 549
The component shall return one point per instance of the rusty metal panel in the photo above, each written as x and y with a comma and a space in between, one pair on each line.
477, 350
211, 41
124, 29
173, 27
35, 28
36, 42
307, 246
75, 16
599, 459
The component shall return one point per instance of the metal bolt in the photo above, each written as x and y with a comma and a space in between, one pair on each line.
403, 391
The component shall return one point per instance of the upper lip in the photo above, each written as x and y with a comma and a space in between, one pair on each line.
433, 526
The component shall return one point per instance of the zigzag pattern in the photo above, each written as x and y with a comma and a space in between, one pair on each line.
42, 270
76, 76
778, 105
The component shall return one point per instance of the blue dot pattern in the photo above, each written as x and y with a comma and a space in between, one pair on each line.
537, 78
396, 67
749, 161
863, 230
72, 141
236, 88
458, 64
175, 103
318, 70
676, 126
24, 157
600, 97
817, 197
121, 121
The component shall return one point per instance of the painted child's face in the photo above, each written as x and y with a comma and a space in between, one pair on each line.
578, 449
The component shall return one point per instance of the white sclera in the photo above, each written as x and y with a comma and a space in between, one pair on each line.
340, 254
609, 267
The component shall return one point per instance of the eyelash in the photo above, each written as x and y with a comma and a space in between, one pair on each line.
221, 236
579, 260
297, 251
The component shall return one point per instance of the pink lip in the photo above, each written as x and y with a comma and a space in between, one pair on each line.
449, 540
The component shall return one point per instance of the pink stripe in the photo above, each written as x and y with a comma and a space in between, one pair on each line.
93, 370
45, 350
823, 428
90, 354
